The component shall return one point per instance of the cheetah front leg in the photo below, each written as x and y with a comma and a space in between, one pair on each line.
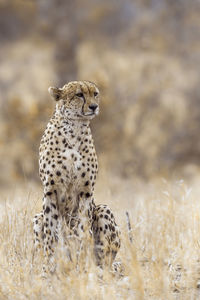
50, 225
38, 231
106, 236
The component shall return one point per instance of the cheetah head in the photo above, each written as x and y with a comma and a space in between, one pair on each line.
77, 99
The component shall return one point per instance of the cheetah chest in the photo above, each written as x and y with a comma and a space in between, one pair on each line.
70, 166
81, 167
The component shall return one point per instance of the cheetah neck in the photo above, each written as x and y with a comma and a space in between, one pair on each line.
65, 117
73, 130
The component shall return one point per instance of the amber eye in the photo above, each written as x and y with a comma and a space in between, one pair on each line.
80, 95
95, 94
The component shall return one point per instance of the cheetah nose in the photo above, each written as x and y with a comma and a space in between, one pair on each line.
93, 106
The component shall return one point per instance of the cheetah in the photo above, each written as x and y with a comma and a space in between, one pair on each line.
68, 169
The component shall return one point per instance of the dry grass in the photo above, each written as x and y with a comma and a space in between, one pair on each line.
161, 263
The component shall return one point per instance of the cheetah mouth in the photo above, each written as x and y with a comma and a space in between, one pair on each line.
87, 116
91, 114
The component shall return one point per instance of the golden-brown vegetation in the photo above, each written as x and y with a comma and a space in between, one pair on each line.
162, 262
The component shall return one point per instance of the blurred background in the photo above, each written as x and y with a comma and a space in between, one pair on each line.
143, 54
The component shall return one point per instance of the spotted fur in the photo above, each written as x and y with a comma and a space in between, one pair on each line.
68, 168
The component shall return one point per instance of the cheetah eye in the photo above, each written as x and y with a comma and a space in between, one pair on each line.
80, 95
95, 94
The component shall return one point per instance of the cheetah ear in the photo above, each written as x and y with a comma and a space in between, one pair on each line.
55, 93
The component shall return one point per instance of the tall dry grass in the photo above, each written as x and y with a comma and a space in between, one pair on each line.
161, 262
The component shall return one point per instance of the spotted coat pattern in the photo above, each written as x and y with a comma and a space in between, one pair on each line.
68, 168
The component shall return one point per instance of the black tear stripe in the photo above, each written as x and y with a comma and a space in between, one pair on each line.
84, 101
88, 88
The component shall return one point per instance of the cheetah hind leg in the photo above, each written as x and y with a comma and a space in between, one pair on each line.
106, 236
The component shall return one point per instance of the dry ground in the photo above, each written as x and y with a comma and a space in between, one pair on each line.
161, 262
